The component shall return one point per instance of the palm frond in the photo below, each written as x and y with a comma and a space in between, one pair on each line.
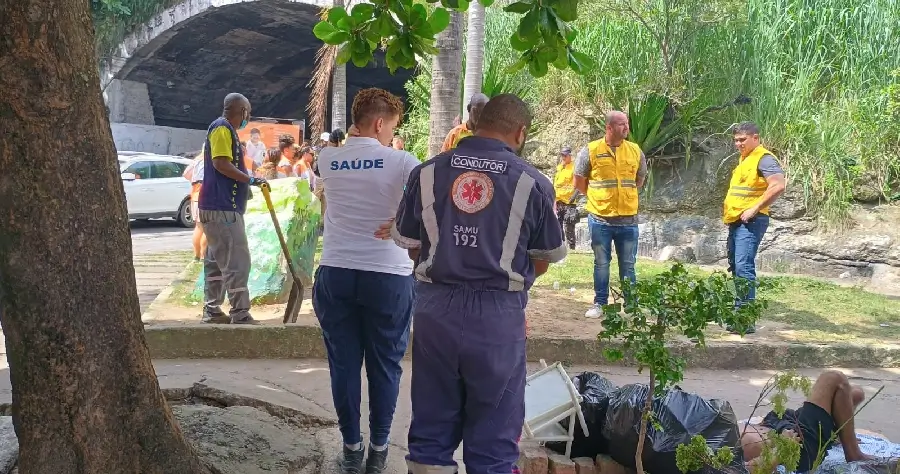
319, 83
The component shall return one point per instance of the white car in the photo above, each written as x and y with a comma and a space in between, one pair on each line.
154, 187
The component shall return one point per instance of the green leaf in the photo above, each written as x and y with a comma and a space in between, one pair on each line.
567, 10
418, 15
571, 35
439, 20
562, 58
579, 62
518, 7
516, 66
546, 53
336, 14
529, 26
549, 28
362, 12
360, 59
486, 3
336, 38
343, 56
323, 30
537, 68
519, 44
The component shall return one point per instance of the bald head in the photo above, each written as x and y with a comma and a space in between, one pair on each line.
506, 118
476, 105
616, 127
236, 110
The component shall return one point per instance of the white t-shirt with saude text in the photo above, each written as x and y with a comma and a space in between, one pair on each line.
363, 182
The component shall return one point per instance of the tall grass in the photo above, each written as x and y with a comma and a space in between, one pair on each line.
815, 70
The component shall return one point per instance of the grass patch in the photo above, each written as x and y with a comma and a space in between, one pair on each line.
811, 310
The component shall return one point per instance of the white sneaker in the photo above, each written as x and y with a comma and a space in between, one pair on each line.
594, 313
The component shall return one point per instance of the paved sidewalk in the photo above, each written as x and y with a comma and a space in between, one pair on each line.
306, 384
154, 272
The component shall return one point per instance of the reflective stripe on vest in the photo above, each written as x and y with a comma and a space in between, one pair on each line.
612, 184
746, 187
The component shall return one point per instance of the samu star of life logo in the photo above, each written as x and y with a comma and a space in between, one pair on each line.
472, 192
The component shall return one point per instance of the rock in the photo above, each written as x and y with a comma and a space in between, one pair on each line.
9, 445
885, 279
866, 190
680, 254
791, 204
299, 214
245, 440
845, 275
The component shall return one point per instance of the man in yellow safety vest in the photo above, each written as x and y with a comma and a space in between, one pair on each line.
610, 171
756, 183
564, 185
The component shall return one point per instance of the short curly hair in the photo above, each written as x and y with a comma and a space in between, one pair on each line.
373, 103
285, 141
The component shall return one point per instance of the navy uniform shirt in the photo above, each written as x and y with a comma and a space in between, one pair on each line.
478, 214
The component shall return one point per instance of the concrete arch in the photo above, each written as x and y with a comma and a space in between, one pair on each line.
173, 69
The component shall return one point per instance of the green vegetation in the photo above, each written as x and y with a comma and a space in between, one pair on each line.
819, 77
799, 309
115, 19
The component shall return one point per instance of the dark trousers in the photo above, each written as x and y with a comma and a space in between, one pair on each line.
568, 227
365, 316
743, 243
468, 378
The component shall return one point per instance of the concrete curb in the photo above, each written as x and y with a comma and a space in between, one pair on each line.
294, 341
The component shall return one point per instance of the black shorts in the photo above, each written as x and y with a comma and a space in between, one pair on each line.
816, 429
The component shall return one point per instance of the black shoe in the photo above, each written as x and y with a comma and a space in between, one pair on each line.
215, 318
376, 463
247, 320
353, 461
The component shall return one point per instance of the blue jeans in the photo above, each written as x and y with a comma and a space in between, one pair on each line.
603, 237
743, 243
365, 316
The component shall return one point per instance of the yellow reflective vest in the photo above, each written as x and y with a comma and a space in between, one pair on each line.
564, 181
612, 186
746, 187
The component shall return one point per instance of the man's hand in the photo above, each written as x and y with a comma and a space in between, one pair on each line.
384, 230
353, 131
791, 434
254, 181
749, 214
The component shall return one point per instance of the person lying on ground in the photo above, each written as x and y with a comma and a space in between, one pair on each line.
825, 416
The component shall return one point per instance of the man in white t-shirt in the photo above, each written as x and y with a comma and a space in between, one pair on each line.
363, 289
256, 149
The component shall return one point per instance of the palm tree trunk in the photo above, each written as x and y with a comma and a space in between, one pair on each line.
339, 92
474, 54
446, 69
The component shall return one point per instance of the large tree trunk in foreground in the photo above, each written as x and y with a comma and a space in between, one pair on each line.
446, 75
85, 395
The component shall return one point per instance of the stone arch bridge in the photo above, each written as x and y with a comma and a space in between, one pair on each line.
175, 69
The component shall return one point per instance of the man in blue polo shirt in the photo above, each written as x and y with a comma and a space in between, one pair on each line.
479, 225
223, 199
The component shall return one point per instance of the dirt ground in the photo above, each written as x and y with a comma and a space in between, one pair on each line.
550, 313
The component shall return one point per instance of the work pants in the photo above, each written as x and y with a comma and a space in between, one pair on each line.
743, 244
468, 379
603, 237
568, 225
227, 264
364, 317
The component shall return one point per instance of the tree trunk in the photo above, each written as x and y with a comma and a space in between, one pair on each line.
642, 433
446, 69
474, 55
85, 394
339, 92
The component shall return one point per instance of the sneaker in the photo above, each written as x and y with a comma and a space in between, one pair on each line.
376, 463
215, 318
248, 320
594, 313
352, 463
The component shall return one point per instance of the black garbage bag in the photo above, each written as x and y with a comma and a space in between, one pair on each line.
681, 416
594, 390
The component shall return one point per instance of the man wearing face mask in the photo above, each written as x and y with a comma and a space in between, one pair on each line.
478, 222
364, 286
223, 199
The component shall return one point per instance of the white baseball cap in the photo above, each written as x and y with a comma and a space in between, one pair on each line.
325, 136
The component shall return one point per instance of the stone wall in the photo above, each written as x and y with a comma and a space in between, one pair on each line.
156, 139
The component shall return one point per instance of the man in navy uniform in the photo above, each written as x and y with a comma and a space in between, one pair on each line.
478, 222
